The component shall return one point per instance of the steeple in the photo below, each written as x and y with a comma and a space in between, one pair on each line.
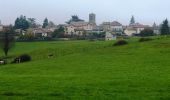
132, 20
154, 25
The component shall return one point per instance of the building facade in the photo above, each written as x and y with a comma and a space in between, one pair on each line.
134, 29
114, 27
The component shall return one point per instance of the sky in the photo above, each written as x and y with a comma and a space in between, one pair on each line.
60, 11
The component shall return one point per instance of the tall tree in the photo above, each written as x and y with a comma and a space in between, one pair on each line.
7, 39
51, 24
132, 20
165, 27
21, 23
45, 23
32, 22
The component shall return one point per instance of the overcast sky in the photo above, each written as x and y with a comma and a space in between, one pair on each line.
59, 11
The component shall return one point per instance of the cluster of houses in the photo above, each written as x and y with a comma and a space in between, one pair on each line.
112, 29
81, 27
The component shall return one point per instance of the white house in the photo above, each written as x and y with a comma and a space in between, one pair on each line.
135, 28
130, 31
116, 27
105, 26
156, 29
110, 36
77, 28
40, 32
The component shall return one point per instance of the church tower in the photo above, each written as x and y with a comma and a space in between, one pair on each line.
92, 18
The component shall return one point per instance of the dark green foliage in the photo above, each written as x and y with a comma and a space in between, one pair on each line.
45, 23
165, 28
27, 37
120, 42
32, 22
21, 23
22, 58
13, 94
74, 18
59, 32
7, 39
96, 35
145, 39
146, 32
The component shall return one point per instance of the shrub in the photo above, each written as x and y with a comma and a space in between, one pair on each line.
120, 42
147, 32
22, 58
145, 39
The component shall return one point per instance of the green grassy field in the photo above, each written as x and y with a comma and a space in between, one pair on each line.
84, 70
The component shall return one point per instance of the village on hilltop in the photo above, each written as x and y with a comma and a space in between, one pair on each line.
79, 28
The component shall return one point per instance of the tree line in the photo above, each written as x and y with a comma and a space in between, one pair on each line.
24, 23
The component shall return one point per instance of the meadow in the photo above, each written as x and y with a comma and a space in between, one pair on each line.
88, 70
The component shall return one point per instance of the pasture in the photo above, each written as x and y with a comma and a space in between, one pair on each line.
86, 70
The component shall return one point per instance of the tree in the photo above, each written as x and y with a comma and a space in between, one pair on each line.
51, 24
21, 23
7, 39
132, 20
147, 32
32, 22
74, 18
45, 23
59, 32
165, 28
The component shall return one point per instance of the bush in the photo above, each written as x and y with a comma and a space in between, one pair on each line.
22, 58
145, 39
120, 42
147, 32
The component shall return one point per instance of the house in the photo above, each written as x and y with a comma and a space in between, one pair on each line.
156, 29
129, 31
1, 27
114, 26
105, 26
110, 36
135, 28
40, 32
77, 28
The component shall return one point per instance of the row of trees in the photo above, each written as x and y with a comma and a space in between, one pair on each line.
164, 29
24, 23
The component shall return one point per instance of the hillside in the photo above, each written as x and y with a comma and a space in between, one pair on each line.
89, 71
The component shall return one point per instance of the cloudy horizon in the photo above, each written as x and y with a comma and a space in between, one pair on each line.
59, 11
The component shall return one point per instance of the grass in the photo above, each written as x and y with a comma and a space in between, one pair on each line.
83, 70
